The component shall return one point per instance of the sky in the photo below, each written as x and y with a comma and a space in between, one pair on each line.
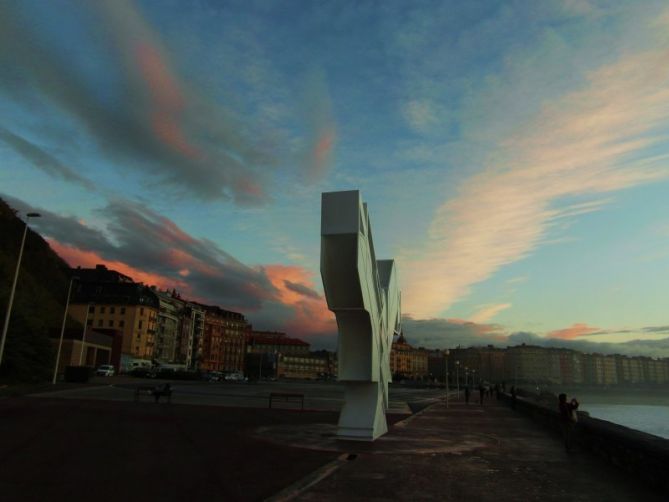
513, 155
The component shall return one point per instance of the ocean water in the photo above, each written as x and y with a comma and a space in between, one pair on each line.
647, 418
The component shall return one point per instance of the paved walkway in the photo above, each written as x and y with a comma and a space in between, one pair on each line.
473, 453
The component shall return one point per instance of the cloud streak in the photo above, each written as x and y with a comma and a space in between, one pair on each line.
156, 122
487, 312
153, 249
592, 141
576, 330
42, 159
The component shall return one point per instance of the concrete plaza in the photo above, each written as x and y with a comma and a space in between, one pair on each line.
94, 443
317, 395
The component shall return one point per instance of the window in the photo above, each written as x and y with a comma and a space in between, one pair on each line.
122, 310
99, 323
102, 310
112, 310
140, 324
141, 311
91, 309
121, 323
111, 323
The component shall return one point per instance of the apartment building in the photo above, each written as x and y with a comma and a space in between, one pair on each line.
106, 299
223, 340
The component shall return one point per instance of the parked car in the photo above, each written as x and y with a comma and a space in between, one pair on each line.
105, 370
235, 377
143, 372
213, 376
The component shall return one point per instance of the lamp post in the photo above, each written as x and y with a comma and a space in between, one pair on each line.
16, 276
457, 376
62, 329
83, 336
446, 368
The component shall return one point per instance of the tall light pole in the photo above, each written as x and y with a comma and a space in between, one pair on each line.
457, 376
446, 367
83, 335
62, 329
16, 276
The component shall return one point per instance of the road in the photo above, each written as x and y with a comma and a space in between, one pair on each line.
326, 396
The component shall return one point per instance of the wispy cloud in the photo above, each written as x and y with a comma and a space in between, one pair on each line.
487, 312
451, 333
151, 248
592, 141
576, 330
157, 123
42, 159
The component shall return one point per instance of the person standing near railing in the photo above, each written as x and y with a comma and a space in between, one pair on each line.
568, 418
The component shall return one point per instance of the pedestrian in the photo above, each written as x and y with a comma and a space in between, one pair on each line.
568, 418
481, 393
513, 397
466, 394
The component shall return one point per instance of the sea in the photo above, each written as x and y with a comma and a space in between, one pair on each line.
642, 409
642, 417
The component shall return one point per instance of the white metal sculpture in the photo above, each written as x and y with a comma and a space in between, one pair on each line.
364, 295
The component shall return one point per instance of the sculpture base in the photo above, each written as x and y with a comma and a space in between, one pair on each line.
363, 417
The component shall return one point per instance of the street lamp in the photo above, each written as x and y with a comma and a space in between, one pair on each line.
446, 368
16, 276
457, 376
62, 329
83, 335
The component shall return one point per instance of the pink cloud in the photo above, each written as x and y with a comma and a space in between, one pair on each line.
87, 259
588, 143
311, 315
576, 330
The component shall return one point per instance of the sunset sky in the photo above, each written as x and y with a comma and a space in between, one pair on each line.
514, 155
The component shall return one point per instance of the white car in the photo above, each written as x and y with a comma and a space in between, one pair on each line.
105, 370
235, 377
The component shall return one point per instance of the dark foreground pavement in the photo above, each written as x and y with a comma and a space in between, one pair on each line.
92, 450
68, 449
473, 453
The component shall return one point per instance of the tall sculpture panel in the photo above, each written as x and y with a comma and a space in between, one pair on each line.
364, 295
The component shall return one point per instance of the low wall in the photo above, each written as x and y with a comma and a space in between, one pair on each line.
642, 455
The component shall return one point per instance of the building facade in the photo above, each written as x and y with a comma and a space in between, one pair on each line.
406, 361
106, 299
223, 341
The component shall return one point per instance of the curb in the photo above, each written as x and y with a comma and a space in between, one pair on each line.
302, 485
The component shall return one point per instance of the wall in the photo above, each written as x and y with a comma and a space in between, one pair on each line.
639, 454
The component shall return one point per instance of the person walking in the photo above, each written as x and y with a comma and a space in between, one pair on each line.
568, 418
466, 394
481, 393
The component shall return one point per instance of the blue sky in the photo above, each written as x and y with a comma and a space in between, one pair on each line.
513, 155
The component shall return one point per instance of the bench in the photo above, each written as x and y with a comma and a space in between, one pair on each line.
155, 390
287, 396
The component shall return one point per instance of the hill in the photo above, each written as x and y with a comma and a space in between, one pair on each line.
38, 304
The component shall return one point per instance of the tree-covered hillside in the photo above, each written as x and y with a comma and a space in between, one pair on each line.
38, 304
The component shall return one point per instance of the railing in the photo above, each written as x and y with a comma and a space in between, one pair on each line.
642, 455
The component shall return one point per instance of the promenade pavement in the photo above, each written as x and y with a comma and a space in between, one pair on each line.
96, 449
54, 449
473, 453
